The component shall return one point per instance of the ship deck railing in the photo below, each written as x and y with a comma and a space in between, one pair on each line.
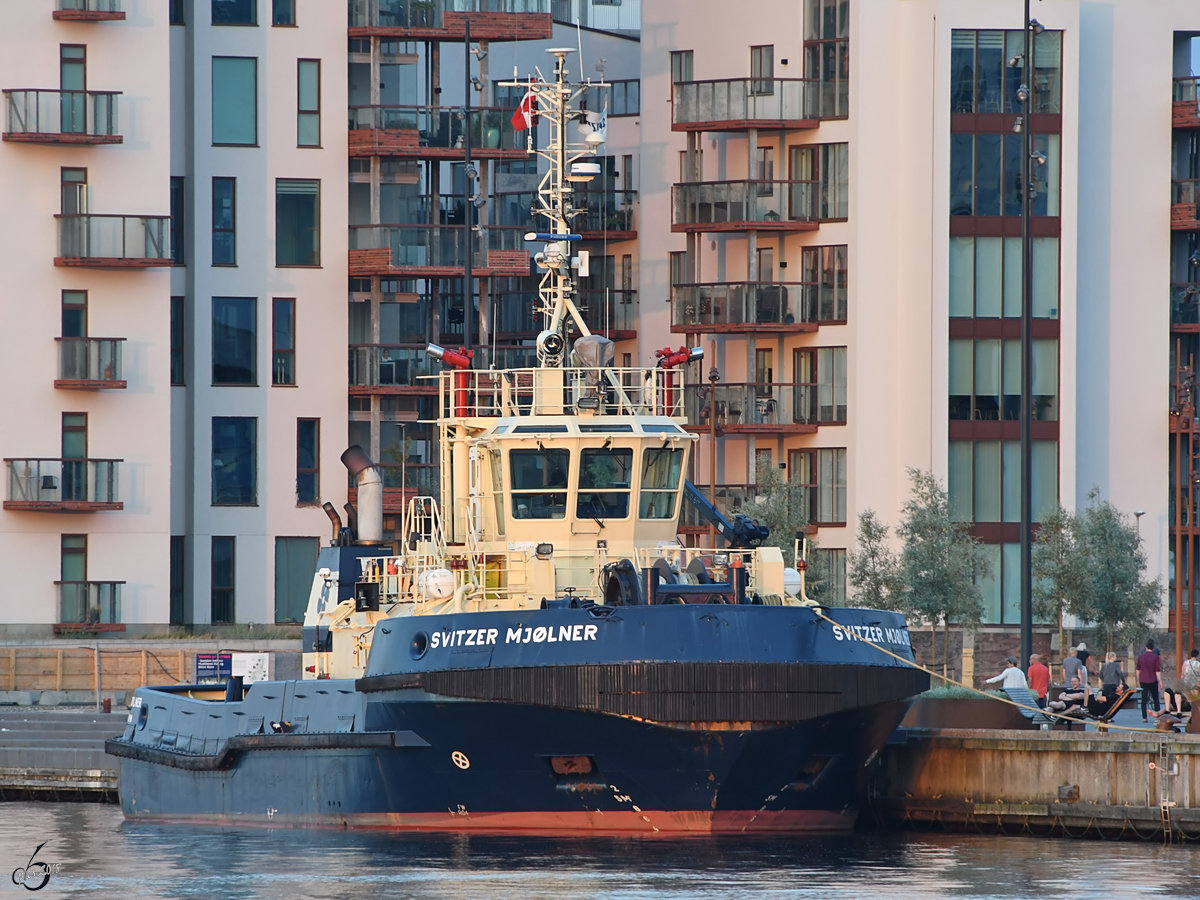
608, 390
500, 576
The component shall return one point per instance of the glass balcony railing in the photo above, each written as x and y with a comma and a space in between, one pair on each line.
431, 13
609, 310
89, 602
62, 480
758, 404
737, 202
1185, 303
435, 246
64, 115
89, 359
102, 6
1186, 90
700, 306
379, 366
598, 210
442, 127
1185, 190
145, 239
743, 100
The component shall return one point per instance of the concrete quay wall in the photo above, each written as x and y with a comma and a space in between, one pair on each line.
1133, 784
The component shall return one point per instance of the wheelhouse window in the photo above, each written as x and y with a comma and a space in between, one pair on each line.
604, 483
539, 483
661, 471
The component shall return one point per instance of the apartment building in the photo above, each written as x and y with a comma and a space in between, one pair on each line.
841, 182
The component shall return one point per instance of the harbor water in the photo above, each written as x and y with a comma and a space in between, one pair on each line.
88, 850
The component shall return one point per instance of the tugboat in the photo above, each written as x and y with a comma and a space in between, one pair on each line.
541, 654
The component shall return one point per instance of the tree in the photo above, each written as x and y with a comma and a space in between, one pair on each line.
935, 578
1092, 565
872, 570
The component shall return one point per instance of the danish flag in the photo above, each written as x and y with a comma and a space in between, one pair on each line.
526, 111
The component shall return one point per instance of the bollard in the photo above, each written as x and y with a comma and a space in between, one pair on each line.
108, 704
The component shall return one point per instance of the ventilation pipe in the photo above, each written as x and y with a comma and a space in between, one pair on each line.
335, 519
370, 494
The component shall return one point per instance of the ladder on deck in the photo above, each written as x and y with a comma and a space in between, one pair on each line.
1166, 772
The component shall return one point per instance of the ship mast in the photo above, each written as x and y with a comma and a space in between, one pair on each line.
555, 291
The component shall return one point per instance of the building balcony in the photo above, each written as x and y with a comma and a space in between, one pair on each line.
758, 408
707, 206
35, 116
491, 20
380, 370
435, 251
1185, 97
433, 132
605, 215
89, 364
113, 241
1185, 194
739, 104
62, 485
88, 10
611, 313
739, 307
86, 607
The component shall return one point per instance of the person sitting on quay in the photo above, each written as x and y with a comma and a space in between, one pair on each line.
1175, 703
1011, 677
1189, 672
1038, 677
1072, 700
1149, 671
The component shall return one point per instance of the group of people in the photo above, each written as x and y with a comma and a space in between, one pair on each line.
1078, 696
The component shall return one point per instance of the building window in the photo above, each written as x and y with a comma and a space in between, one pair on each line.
820, 385
295, 562
308, 471
308, 103
985, 379
681, 66
235, 100
283, 12
832, 565
283, 341
178, 219
821, 176
234, 461
74, 314
224, 581
827, 58
764, 371
297, 222
74, 456
235, 12
234, 340
830, 508
178, 577
224, 221
177, 12
982, 81
73, 588
984, 480
178, 347
72, 70
985, 174
824, 283
762, 69
985, 277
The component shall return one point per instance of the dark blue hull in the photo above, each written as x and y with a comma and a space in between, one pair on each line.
762, 740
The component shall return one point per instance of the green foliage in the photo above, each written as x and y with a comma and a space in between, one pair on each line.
780, 505
873, 569
1092, 566
940, 562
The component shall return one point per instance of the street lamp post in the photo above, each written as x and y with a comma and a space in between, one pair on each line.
1025, 96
